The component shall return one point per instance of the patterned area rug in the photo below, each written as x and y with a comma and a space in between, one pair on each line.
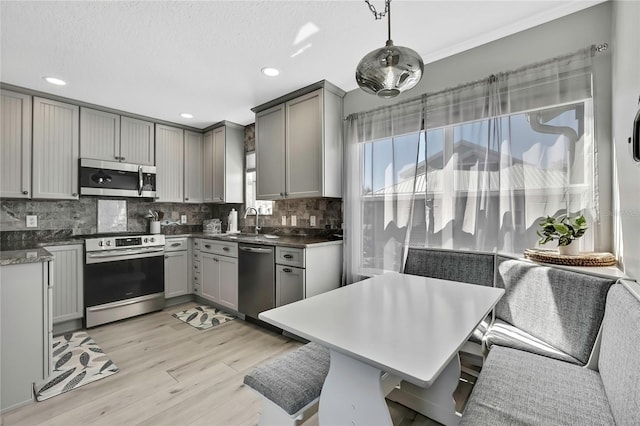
77, 360
203, 317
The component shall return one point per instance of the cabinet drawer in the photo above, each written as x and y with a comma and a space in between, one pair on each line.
290, 256
175, 244
219, 247
197, 243
197, 288
196, 266
196, 255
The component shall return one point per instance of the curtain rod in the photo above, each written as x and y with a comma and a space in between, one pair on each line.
594, 48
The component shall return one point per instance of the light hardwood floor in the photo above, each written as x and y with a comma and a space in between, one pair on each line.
174, 374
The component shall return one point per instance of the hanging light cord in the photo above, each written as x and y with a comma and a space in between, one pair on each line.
380, 15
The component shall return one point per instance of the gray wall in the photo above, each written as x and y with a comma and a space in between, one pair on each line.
626, 91
564, 35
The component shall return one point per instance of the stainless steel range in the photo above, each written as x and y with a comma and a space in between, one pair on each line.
123, 277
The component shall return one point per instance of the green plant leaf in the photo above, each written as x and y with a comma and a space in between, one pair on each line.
561, 228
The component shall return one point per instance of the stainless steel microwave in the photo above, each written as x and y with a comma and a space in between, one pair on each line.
110, 178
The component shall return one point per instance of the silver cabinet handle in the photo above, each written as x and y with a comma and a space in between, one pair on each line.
122, 158
286, 270
25, 192
140, 180
175, 244
195, 266
216, 259
166, 256
207, 245
75, 194
256, 249
186, 198
288, 256
226, 248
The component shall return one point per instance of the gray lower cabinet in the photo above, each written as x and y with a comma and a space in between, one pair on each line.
290, 284
176, 267
15, 150
307, 272
56, 149
26, 331
169, 164
69, 285
217, 271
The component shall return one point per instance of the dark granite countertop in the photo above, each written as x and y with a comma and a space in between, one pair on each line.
298, 241
17, 257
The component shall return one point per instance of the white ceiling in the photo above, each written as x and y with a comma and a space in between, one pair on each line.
163, 58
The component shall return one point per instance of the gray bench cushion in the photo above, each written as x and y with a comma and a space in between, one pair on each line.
520, 388
620, 354
503, 334
560, 307
472, 268
293, 380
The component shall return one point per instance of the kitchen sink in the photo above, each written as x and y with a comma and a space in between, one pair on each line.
252, 237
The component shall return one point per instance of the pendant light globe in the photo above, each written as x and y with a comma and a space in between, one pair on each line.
390, 70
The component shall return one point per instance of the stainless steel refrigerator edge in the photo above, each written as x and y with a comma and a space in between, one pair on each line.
256, 279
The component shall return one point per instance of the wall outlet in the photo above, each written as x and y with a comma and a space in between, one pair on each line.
32, 221
312, 221
284, 221
183, 219
294, 221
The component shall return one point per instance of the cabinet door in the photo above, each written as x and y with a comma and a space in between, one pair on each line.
15, 150
228, 282
169, 164
68, 282
99, 135
304, 146
55, 149
210, 276
192, 167
270, 152
289, 284
176, 264
218, 164
207, 167
137, 141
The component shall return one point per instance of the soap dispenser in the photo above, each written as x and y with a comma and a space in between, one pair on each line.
233, 221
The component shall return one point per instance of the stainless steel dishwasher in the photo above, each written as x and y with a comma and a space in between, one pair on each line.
256, 279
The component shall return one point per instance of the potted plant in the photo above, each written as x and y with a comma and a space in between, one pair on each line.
565, 229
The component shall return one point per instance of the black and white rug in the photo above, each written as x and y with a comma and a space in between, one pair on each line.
77, 360
203, 317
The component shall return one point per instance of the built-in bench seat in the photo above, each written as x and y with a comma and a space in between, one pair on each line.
547, 311
518, 387
291, 384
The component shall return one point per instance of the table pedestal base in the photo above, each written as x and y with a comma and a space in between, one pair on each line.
435, 402
353, 393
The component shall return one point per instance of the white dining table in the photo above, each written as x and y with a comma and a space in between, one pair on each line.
386, 331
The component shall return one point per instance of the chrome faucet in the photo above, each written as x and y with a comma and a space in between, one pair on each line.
257, 217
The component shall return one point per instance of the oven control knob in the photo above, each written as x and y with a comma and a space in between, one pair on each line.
100, 243
146, 240
108, 243
152, 239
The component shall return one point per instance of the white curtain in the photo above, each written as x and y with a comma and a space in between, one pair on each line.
474, 167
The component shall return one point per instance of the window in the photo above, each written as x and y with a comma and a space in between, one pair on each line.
480, 185
263, 207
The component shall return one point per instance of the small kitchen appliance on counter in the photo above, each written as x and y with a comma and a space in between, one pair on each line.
123, 276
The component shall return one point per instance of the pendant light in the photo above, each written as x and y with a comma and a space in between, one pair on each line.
390, 70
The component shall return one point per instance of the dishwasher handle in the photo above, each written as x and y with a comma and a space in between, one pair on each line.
256, 249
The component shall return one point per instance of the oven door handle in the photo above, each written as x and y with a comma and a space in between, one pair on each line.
122, 255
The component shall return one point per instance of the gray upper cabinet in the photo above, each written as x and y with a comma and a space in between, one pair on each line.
270, 153
55, 149
137, 141
299, 146
111, 137
169, 164
15, 153
99, 135
223, 164
193, 148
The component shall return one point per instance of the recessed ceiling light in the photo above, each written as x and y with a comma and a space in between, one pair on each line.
186, 115
271, 72
55, 81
